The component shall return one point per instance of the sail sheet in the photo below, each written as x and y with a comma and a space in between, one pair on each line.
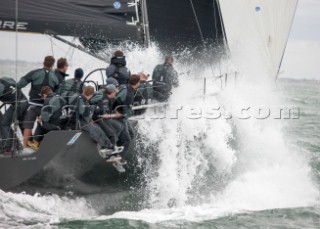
257, 31
99, 19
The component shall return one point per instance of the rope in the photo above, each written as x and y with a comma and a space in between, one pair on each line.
19, 139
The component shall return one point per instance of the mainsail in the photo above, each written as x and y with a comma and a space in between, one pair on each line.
172, 23
107, 19
258, 30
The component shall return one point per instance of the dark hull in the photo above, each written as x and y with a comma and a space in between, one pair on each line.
57, 164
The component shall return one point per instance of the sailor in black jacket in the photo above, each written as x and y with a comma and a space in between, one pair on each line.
61, 72
117, 68
18, 107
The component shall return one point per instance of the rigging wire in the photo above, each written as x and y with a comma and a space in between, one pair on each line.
215, 20
225, 40
216, 29
14, 118
201, 34
51, 42
197, 21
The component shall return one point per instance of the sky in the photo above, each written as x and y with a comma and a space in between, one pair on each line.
302, 56
301, 59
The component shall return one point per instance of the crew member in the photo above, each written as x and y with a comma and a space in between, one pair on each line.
117, 68
122, 104
49, 119
85, 111
38, 78
144, 93
72, 86
164, 78
18, 106
110, 126
61, 70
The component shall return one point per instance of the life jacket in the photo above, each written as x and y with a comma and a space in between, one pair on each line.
85, 116
103, 106
121, 74
162, 84
120, 71
34, 93
124, 107
70, 93
142, 96
58, 102
60, 75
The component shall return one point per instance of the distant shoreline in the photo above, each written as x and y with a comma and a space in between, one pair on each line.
12, 62
33, 65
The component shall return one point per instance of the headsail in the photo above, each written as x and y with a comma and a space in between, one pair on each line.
107, 19
258, 30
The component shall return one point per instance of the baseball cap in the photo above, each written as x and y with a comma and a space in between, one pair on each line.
113, 81
110, 89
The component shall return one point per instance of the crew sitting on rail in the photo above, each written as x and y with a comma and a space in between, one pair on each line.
18, 106
104, 105
107, 119
85, 112
117, 68
49, 119
122, 104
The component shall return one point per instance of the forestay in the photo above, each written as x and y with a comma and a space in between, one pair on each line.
257, 31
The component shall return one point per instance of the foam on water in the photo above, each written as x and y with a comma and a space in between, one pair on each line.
263, 170
21, 209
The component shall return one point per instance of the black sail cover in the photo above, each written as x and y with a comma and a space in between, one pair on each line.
99, 19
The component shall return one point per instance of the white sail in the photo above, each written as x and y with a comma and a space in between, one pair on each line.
257, 31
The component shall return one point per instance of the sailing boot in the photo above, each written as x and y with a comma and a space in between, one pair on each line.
118, 166
114, 158
117, 149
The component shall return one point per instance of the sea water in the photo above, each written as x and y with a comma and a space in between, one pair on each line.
208, 160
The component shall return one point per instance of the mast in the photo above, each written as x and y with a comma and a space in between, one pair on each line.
145, 23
